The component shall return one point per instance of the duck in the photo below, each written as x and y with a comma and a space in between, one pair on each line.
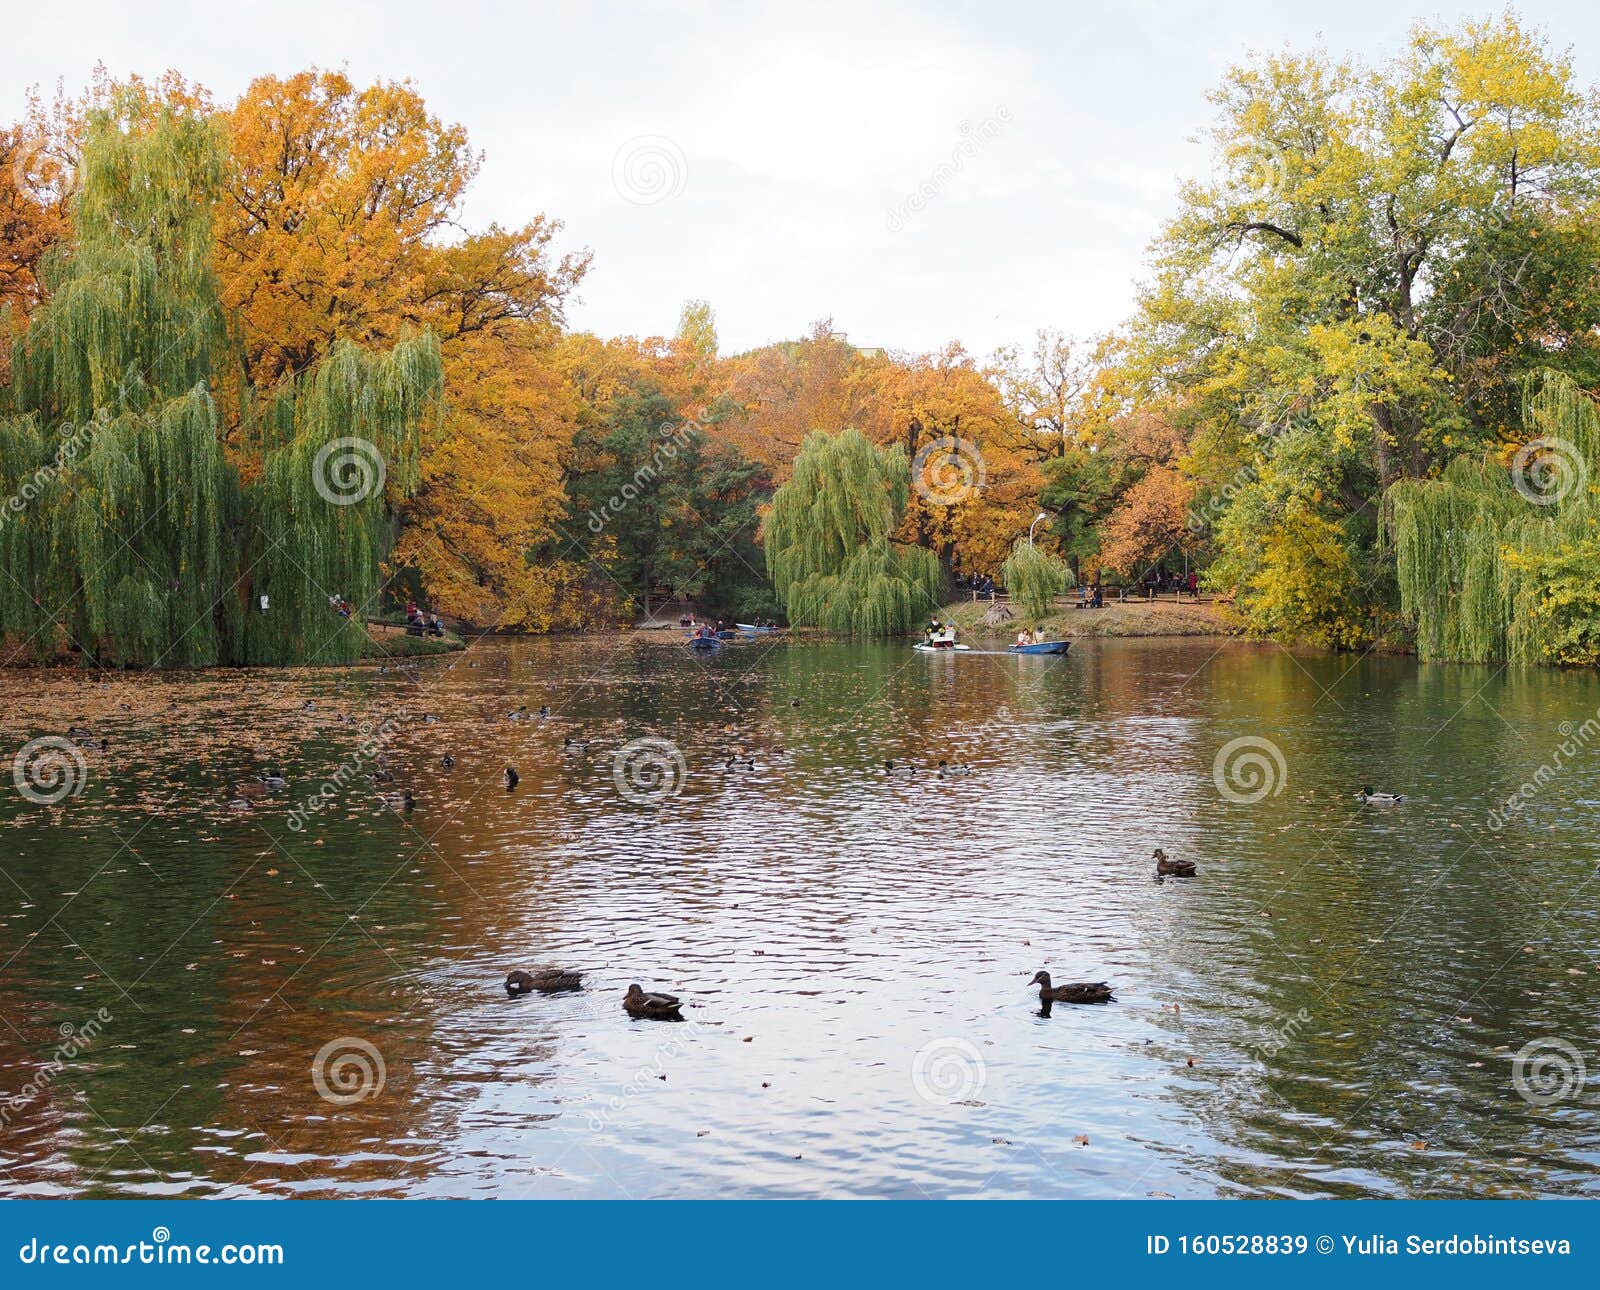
1369, 798
740, 762
402, 801
447, 761
551, 981
512, 777
575, 745
272, 779
241, 804
429, 718
544, 711
1072, 992
79, 733
901, 769
308, 706
1174, 868
950, 770
94, 745
518, 714
657, 1007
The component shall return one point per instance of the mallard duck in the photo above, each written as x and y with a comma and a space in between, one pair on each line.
402, 801
1368, 798
383, 775
273, 780
739, 762
447, 761
657, 1007
308, 706
950, 770
904, 771
544, 711
429, 718
241, 804
575, 745
512, 777
79, 733
1173, 868
518, 714
1072, 992
551, 981
93, 745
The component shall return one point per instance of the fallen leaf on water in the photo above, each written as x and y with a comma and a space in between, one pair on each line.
1082, 1139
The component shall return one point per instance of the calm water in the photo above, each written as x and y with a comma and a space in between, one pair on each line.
1334, 1007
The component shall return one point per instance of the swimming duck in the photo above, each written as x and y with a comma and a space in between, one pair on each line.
899, 768
657, 1007
428, 719
1072, 992
1369, 798
93, 745
273, 780
447, 761
575, 745
512, 777
308, 706
241, 804
544, 711
402, 801
1175, 868
518, 714
948, 770
77, 733
552, 981
739, 762
383, 775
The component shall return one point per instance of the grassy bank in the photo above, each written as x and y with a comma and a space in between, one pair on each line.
1130, 618
383, 643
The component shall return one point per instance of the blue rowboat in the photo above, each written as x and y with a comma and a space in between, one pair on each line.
703, 642
1043, 647
753, 630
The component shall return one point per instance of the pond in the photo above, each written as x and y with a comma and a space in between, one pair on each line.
300, 993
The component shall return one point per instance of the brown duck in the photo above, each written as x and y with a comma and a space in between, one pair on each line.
1173, 868
1072, 992
553, 981
658, 1007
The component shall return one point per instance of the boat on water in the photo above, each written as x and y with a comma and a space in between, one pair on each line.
941, 647
1041, 647
704, 642
754, 629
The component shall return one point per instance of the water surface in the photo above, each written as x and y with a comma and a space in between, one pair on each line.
1335, 1007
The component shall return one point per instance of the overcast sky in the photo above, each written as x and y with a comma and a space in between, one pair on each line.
921, 173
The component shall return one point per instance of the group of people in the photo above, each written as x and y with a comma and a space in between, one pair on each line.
340, 606
1162, 579
939, 635
422, 624
1035, 637
980, 583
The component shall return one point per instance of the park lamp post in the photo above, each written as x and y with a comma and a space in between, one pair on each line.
1043, 515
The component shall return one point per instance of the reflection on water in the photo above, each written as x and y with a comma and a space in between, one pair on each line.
1334, 1006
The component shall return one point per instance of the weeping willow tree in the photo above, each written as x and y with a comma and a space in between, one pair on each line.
128, 530
829, 540
1034, 578
1496, 560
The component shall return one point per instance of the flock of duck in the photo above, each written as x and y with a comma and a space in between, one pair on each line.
655, 1006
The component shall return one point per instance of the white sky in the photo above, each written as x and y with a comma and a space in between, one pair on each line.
793, 135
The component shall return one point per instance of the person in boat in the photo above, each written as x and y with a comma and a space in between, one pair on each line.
1038, 636
1025, 637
